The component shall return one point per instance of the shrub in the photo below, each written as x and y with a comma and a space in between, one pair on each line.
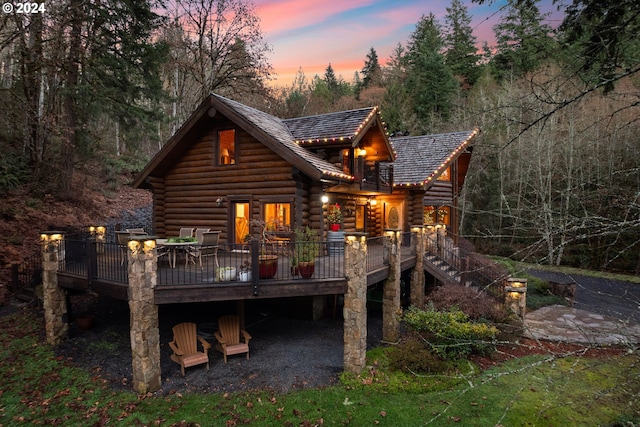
14, 170
477, 305
450, 333
412, 355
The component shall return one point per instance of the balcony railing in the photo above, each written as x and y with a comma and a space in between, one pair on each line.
374, 176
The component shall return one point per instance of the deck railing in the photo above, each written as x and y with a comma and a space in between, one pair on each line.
377, 253
86, 258
238, 263
445, 249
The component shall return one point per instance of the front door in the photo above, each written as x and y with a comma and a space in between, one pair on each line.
241, 229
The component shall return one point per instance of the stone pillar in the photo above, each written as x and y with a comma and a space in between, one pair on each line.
391, 308
55, 298
516, 296
144, 331
355, 303
416, 294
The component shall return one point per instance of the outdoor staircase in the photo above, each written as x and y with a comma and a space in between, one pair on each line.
441, 270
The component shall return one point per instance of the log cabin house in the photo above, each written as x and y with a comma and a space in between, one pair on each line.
230, 164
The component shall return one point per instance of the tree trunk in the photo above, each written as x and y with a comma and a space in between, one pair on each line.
70, 101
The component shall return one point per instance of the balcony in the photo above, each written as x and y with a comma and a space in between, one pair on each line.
374, 176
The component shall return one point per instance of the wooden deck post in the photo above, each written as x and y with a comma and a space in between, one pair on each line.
144, 330
416, 294
55, 298
391, 290
355, 303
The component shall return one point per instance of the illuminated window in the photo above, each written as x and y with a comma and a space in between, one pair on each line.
446, 175
277, 216
227, 147
346, 164
360, 217
436, 215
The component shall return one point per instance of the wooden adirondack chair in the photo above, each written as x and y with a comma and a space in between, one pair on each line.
228, 336
185, 346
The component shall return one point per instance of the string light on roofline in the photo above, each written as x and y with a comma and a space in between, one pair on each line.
449, 158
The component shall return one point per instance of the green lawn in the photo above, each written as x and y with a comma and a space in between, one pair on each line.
544, 390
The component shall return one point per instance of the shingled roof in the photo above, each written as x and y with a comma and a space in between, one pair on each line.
340, 126
421, 159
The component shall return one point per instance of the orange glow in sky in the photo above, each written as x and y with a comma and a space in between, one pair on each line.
310, 34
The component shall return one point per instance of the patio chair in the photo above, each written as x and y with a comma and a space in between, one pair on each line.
208, 247
186, 232
185, 346
229, 337
199, 232
137, 231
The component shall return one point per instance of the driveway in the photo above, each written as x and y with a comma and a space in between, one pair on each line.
612, 298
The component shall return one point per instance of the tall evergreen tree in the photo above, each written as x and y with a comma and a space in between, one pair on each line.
460, 43
603, 35
524, 42
395, 102
371, 72
430, 82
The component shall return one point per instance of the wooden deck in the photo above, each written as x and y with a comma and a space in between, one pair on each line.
187, 282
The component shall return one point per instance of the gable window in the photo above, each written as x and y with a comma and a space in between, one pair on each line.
277, 216
227, 147
446, 175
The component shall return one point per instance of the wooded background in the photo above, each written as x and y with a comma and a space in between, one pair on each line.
554, 178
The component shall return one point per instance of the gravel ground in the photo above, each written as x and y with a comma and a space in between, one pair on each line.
288, 351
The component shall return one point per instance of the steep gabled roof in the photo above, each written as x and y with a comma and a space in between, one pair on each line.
266, 128
340, 126
421, 159
279, 139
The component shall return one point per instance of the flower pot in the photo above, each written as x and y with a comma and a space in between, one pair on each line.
268, 265
335, 227
226, 274
306, 269
85, 322
244, 276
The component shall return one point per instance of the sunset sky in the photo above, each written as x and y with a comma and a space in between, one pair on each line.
313, 33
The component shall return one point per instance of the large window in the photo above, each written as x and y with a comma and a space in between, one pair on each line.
227, 147
277, 216
437, 215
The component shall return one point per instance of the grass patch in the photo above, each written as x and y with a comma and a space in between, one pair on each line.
543, 390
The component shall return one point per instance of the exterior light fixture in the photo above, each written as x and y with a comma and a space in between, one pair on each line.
516, 295
144, 244
324, 199
373, 201
219, 201
51, 240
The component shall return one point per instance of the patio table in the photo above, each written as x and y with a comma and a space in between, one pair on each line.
173, 249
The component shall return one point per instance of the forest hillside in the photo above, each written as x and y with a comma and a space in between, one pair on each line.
90, 91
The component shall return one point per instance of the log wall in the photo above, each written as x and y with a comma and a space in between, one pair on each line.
186, 196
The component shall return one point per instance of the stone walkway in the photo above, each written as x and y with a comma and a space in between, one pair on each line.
560, 323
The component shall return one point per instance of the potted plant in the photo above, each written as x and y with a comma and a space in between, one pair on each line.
334, 217
226, 274
268, 264
244, 274
305, 251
